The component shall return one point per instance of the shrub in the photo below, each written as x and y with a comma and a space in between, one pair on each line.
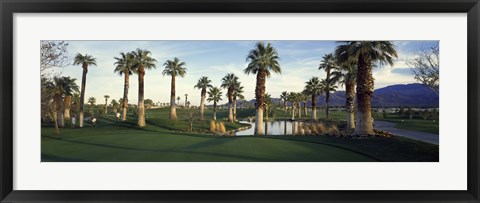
222, 128
217, 127
313, 129
212, 126
306, 129
321, 128
333, 130
300, 128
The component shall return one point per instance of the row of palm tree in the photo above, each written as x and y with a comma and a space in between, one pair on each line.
350, 65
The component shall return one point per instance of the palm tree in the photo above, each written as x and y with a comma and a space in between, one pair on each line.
92, 101
329, 64
292, 97
262, 59
314, 88
203, 83
173, 68
365, 54
237, 94
215, 95
228, 82
84, 60
349, 74
62, 86
142, 61
178, 102
72, 89
299, 103
304, 98
284, 97
114, 104
106, 103
186, 101
124, 66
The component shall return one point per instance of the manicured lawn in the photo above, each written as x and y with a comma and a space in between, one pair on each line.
165, 140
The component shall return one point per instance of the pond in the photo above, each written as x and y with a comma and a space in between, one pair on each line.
285, 127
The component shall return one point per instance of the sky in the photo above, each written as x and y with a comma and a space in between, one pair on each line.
299, 61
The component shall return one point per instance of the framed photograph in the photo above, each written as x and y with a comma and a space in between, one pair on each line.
216, 101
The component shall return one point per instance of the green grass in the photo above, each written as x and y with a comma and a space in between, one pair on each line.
415, 124
165, 140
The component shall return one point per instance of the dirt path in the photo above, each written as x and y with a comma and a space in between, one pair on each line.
417, 135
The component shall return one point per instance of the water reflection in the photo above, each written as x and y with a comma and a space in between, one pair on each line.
276, 128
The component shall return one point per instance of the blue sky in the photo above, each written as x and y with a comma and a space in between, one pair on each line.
299, 61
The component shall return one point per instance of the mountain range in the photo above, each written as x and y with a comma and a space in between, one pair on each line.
407, 95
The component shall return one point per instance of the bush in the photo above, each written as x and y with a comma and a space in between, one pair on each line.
313, 129
321, 128
333, 130
222, 128
212, 126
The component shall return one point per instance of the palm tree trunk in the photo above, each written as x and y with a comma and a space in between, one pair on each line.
350, 104
364, 94
82, 95
285, 105
266, 113
284, 127
305, 108
314, 107
202, 105
141, 102
299, 109
214, 110
327, 95
125, 96
106, 106
259, 96
230, 107
59, 111
327, 100
67, 103
173, 106
55, 118
234, 109
293, 111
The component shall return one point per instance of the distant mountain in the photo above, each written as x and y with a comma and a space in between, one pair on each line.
412, 95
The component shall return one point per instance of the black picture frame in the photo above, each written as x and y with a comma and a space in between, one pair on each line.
10, 7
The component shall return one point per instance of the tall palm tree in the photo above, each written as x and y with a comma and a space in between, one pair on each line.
349, 75
228, 82
203, 83
72, 89
186, 101
365, 54
330, 66
174, 68
106, 103
215, 95
178, 102
142, 61
237, 94
85, 61
284, 97
314, 88
124, 66
298, 98
263, 59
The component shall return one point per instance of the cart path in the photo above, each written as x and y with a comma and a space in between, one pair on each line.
416, 135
